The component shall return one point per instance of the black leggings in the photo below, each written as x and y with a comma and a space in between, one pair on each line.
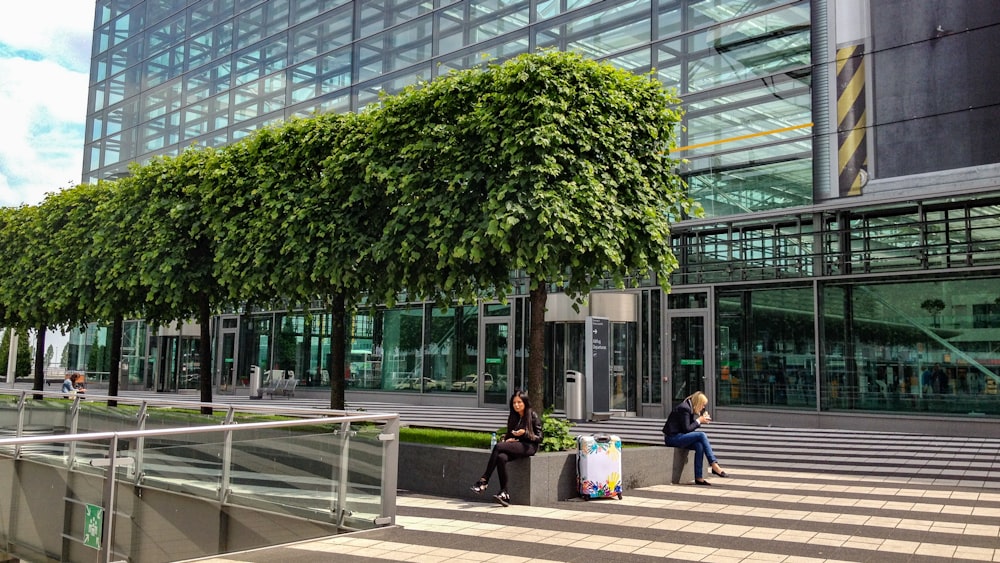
504, 452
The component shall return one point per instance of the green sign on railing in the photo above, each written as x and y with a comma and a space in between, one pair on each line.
691, 362
93, 524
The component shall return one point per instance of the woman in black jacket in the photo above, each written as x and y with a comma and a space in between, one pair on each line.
523, 436
681, 431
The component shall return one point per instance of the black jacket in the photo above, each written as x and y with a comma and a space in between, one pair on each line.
682, 419
514, 422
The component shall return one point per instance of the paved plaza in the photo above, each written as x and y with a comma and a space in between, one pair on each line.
756, 515
795, 495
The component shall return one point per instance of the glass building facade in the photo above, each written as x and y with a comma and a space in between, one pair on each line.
846, 270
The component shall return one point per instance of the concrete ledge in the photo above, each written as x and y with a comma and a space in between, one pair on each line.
683, 467
540, 480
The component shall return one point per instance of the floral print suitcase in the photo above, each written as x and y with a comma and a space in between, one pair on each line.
599, 466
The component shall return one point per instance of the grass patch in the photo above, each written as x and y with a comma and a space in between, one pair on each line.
462, 438
441, 437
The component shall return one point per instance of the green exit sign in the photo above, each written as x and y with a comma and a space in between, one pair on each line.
93, 525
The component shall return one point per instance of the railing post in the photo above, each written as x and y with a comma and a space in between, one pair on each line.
74, 424
19, 431
227, 461
109, 502
340, 482
390, 471
140, 442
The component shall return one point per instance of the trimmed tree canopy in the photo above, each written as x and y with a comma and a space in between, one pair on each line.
550, 164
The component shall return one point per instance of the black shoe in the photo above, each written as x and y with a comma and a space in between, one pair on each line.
703, 483
722, 474
502, 498
480, 486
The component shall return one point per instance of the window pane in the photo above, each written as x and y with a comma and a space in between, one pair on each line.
322, 35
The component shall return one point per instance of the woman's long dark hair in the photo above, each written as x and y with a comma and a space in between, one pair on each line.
513, 417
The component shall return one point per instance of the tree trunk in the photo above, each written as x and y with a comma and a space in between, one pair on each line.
116, 358
205, 351
338, 344
39, 383
536, 346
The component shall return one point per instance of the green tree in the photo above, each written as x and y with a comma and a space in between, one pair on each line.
285, 345
174, 246
549, 164
24, 353
296, 221
23, 367
4, 352
99, 357
115, 289
934, 307
26, 250
119, 289
68, 220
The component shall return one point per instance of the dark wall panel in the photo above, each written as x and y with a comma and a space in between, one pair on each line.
936, 85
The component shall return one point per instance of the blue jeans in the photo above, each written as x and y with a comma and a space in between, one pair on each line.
696, 441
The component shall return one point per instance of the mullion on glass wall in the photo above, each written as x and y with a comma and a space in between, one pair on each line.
379, 15
320, 36
303, 10
166, 34
207, 13
984, 235
599, 33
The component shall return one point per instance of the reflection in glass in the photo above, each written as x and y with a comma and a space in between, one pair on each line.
769, 351
927, 346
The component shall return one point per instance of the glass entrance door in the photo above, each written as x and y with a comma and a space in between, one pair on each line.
687, 356
494, 361
166, 375
225, 354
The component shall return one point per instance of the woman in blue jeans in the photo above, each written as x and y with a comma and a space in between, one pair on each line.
681, 431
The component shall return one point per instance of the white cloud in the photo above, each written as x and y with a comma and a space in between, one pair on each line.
57, 29
44, 65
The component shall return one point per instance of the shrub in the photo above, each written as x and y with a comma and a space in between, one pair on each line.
556, 435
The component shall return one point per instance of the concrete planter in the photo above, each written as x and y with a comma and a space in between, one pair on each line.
537, 481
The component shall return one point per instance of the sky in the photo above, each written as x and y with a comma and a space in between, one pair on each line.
44, 74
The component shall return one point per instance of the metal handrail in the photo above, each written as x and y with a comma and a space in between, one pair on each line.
227, 427
168, 403
126, 434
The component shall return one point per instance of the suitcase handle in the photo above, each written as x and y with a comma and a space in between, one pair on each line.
602, 438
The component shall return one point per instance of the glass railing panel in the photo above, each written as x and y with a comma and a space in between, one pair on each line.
157, 417
39, 418
286, 470
363, 489
187, 463
318, 472
96, 416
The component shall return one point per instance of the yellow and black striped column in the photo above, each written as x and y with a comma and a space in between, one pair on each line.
852, 149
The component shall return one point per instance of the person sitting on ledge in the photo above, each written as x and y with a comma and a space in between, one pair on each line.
67, 384
681, 431
523, 436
